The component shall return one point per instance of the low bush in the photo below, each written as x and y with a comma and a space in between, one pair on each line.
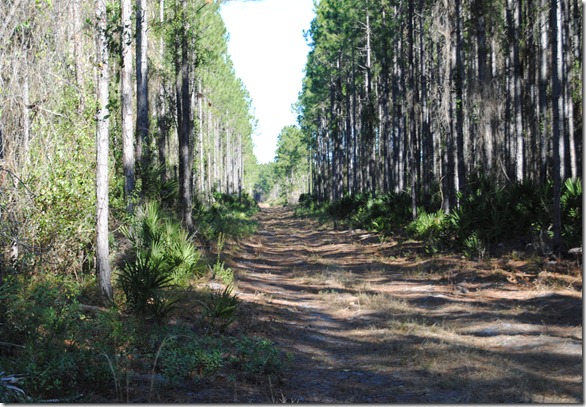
571, 203
146, 283
219, 309
52, 349
487, 213
228, 215
43, 329
259, 356
162, 258
432, 228
189, 357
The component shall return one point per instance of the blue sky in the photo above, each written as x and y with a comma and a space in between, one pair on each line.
269, 53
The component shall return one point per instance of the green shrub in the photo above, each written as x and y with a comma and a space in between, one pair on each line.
431, 228
42, 321
146, 283
219, 309
189, 357
259, 356
308, 201
228, 215
162, 255
474, 247
224, 274
488, 212
571, 205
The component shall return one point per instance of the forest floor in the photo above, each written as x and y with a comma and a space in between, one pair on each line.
371, 320
374, 320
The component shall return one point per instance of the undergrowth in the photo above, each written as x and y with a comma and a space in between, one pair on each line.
55, 346
487, 215
228, 215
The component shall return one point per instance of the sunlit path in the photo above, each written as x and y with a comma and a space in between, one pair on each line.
369, 321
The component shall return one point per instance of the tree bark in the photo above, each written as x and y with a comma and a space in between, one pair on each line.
126, 102
142, 95
543, 97
184, 117
77, 53
459, 102
162, 120
557, 108
26, 113
102, 147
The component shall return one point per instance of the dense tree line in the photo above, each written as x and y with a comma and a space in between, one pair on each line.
418, 96
146, 84
291, 169
125, 158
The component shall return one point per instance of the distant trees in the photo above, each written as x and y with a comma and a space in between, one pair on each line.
264, 189
419, 95
291, 163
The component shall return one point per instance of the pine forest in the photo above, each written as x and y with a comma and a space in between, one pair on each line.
417, 237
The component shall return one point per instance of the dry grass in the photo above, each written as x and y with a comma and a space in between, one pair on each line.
438, 329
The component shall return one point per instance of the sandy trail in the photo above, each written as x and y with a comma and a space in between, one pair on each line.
373, 321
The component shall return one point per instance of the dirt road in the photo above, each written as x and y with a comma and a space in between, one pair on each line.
369, 320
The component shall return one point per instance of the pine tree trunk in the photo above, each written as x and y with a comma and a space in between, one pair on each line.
102, 147
162, 120
544, 77
202, 189
26, 113
184, 117
459, 105
517, 101
77, 53
126, 104
412, 100
142, 95
557, 109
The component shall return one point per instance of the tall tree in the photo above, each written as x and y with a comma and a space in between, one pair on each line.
184, 116
102, 151
291, 162
557, 108
127, 118
142, 89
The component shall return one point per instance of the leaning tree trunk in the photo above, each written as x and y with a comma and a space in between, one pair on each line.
102, 134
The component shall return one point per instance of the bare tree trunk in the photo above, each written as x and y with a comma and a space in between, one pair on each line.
517, 102
77, 52
425, 136
26, 112
184, 117
412, 102
126, 102
142, 95
543, 96
240, 167
355, 136
459, 105
102, 146
227, 158
200, 137
568, 115
557, 108
163, 121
